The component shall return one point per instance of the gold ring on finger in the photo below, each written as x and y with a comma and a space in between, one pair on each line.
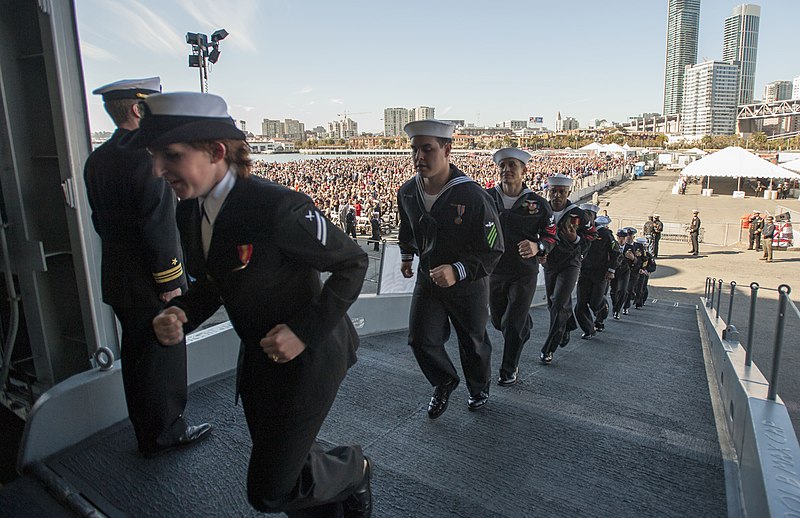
275, 357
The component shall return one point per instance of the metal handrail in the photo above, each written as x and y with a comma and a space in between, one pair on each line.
714, 288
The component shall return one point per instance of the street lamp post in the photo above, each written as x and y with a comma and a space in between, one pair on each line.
204, 52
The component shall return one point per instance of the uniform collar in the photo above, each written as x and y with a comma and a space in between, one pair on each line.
212, 202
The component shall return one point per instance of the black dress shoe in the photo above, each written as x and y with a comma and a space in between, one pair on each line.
624, 311
477, 402
599, 326
616, 316
507, 381
359, 503
564, 339
440, 398
191, 435
588, 336
546, 358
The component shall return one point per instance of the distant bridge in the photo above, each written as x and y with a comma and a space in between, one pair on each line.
752, 118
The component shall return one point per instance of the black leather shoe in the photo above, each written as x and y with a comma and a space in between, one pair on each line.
624, 311
507, 381
359, 503
440, 398
588, 336
616, 316
191, 435
564, 339
477, 402
546, 358
599, 326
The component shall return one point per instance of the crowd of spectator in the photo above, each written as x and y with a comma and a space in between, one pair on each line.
369, 184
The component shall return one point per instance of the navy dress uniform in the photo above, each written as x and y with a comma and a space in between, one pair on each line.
638, 248
524, 217
598, 266
133, 212
694, 233
461, 229
259, 249
619, 285
561, 269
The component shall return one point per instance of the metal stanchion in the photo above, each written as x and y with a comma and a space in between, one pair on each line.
713, 289
783, 294
748, 356
719, 297
730, 304
705, 295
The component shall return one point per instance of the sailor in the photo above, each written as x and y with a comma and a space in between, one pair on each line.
133, 211
756, 227
597, 269
529, 232
575, 233
648, 266
658, 229
619, 284
694, 233
450, 222
649, 230
258, 248
638, 247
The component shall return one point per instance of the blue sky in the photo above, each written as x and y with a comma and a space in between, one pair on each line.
481, 61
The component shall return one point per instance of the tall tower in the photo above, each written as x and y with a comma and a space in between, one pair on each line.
709, 99
740, 44
683, 24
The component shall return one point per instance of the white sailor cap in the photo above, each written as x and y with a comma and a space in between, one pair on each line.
695, 211
559, 180
510, 152
602, 221
641, 240
656, 216
129, 88
756, 212
589, 207
183, 117
429, 128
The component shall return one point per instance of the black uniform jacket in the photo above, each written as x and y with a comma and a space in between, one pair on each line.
462, 229
529, 218
602, 255
267, 250
566, 254
133, 211
623, 263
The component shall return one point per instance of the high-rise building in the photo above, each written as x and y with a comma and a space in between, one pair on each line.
796, 88
421, 113
777, 91
343, 129
710, 93
293, 130
740, 44
683, 24
394, 119
271, 128
566, 123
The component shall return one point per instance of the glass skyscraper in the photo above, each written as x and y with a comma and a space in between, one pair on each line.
683, 24
741, 44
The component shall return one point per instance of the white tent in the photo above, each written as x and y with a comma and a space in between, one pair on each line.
594, 146
735, 162
696, 151
794, 165
613, 148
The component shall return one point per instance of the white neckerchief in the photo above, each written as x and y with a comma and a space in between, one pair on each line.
211, 204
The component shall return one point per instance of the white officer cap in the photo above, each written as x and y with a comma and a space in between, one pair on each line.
656, 216
510, 152
183, 117
602, 221
641, 240
589, 207
559, 180
756, 212
429, 128
129, 88
695, 211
